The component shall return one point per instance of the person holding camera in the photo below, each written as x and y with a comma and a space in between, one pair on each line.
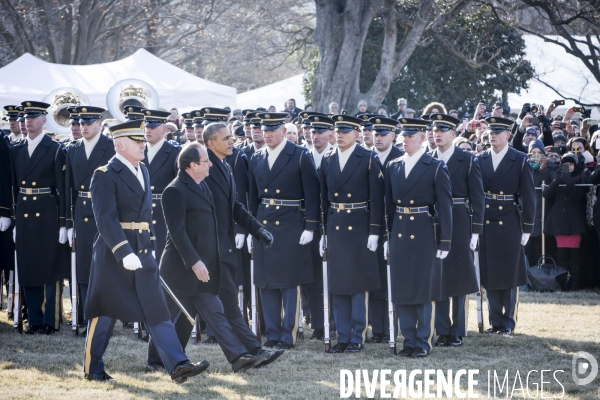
581, 146
566, 216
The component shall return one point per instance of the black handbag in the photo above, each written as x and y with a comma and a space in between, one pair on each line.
547, 277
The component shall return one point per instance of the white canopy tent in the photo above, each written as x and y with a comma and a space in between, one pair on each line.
275, 94
29, 78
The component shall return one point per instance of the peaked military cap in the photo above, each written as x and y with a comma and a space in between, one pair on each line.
306, 123
21, 117
320, 123
271, 121
346, 123
134, 130
198, 117
73, 115
254, 119
245, 113
133, 113
444, 122
366, 123
382, 125
154, 118
34, 109
213, 114
188, 120
12, 112
498, 124
89, 114
410, 126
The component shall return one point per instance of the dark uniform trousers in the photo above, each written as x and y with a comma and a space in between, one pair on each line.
417, 323
458, 308
351, 313
503, 306
280, 327
44, 304
100, 330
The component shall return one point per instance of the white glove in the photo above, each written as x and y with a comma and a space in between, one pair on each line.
441, 254
154, 254
131, 262
249, 243
239, 240
372, 242
322, 244
62, 235
525, 238
15, 234
474, 241
385, 249
306, 237
4, 223
70, 236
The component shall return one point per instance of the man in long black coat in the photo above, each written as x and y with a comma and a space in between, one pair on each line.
124, 279
460, 277
509, 219
284, 196
83, 158
39, 165
419, 209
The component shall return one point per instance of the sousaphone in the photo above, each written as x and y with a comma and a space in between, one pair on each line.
60, 100
130, 92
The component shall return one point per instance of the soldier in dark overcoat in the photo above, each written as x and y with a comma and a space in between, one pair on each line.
419, 210
284, 197
460, 277
352, 202
38, 163
509, 219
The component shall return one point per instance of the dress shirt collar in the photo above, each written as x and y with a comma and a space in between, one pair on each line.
383, 155
274, 153
90, 144
153, 150
33, 143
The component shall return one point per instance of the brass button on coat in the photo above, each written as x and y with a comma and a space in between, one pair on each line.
266, 190
265, 221
277, 191
37, 214
412, 236
85, 220
276, 222
399, 235
412, 202
33, 183
26, 215
349, 228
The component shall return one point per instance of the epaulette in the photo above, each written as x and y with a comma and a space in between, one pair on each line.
104, 168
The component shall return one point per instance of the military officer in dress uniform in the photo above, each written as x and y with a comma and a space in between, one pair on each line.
367, 130
160, 157
352, 201
460, 277
133, 113
124, 279
258, 141
383, 132
21, 120
247, 130
7, 246
75, 126
83, 158
198, 126
12, 112
321, 129
187, 129
284, 196
419, 209
39, 167
509, 218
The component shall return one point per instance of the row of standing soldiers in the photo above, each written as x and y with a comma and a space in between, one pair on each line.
430, 210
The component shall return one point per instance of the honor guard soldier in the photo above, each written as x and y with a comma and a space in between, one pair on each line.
12, 112
352, 201
187, 128
7, 246
383, 136
284, 197
419, 209
39, 167
75, 126
21, 120
160, 158
367, 130
247, 130
305, 126
258, 141
460, 276
133, 113
198, 126
83, 158
320, 131
124, 280
509, 217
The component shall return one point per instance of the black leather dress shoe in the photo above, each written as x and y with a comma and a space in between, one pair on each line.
156, 367
419, 353
48, 330
504, 331
271, 343
441, 341
377, 338
211, 340
283, 345
101, 377
187, 369
318, 334
353, 348
271, 356
246, 361
338, 348
453, 341
385, 339
493, 329
32, 329
83, 333
127, 325
406, 352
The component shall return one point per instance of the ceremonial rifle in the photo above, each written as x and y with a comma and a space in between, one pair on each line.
391, 313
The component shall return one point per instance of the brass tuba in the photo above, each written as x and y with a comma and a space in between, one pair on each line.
60, 100
130, 92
